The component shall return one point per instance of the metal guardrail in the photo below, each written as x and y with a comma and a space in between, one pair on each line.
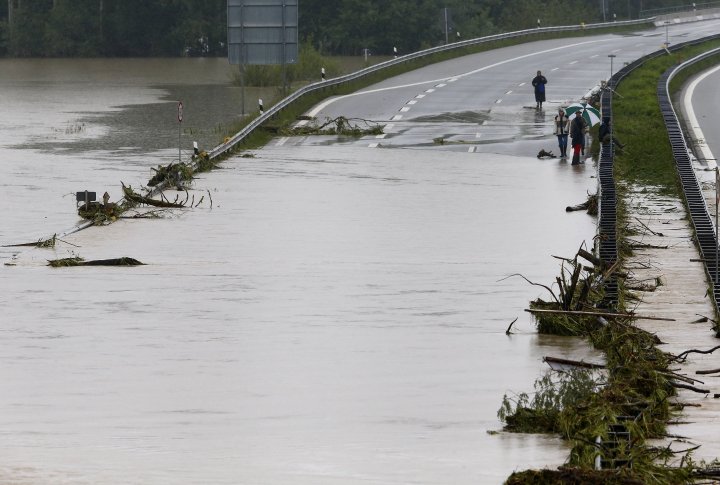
607, 200
607, 196
705, 232
655, 12
284, 103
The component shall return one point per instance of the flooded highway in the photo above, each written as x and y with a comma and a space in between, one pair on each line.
337, 316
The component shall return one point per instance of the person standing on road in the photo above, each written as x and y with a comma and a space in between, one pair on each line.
562, 129
577, 133
539, 83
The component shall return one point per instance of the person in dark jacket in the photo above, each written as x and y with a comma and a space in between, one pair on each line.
606, 135
539, 83
577, 133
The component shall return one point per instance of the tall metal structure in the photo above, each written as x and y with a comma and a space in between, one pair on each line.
262, 31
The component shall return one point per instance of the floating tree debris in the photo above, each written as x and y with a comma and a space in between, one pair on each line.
136, 198
174, 174
590, 205
608, 415
42, 243
572, 309
354, 127
78, 261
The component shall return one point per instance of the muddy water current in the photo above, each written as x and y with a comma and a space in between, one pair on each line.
337, 316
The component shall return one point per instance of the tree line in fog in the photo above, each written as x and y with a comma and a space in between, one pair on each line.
86, 28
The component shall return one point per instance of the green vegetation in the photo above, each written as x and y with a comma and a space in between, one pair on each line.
146, 28
308, 68
583, 405
638, 381
647, 158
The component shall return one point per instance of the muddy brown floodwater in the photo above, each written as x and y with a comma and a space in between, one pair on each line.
337, 316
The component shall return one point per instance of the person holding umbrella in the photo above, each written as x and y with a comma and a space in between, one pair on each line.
539, 83
589, 116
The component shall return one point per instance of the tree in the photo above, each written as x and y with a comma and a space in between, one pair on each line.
27, 30
73, 29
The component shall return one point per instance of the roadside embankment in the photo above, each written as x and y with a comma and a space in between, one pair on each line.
657, 359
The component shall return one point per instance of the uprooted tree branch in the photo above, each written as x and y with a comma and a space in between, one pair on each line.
577, 290
354, 127
587, 407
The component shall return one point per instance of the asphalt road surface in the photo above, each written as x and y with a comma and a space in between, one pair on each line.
484, 102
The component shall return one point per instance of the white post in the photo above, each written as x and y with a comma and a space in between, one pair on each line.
447, 40
598, 457
322, 73
260, 106
395, 52
180, 119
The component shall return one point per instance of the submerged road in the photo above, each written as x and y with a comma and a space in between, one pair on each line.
337, 317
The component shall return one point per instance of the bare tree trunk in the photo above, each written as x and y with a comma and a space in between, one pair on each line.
11, 20
101, 8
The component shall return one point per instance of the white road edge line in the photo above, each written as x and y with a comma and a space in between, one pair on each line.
328, 102
693, 121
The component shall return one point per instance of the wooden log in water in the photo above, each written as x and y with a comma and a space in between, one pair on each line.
571, 363
600, 314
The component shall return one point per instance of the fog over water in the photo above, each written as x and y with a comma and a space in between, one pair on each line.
337, 316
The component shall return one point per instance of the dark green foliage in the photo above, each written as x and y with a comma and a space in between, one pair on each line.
144, 28
647, 157
554, 394
308, 68
574, 476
